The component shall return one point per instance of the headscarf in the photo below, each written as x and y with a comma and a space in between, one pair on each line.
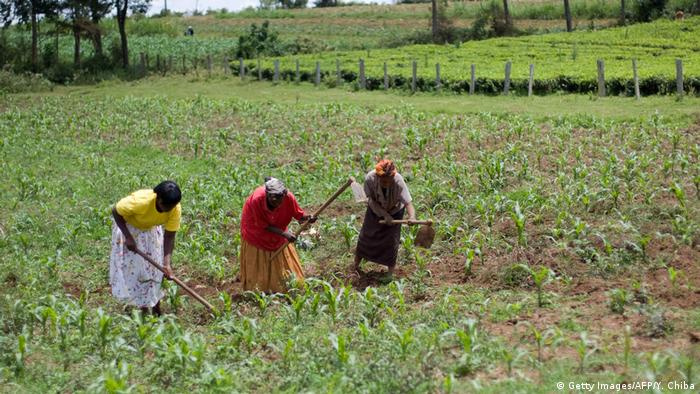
385, 168
274, 186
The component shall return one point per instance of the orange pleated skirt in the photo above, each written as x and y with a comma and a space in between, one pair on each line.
257, 274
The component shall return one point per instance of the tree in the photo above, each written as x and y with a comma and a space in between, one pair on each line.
98, 9
326, 3
28, 11
440, 23
258, 41
123, 8
506, 14
292, 3
622, 12
567, 15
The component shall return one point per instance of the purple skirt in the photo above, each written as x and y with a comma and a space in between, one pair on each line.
378, 242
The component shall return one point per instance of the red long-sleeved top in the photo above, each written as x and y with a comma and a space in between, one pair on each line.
256, 217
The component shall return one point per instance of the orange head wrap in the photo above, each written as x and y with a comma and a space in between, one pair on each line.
385, 168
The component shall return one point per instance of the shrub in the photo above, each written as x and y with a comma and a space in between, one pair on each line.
20, 83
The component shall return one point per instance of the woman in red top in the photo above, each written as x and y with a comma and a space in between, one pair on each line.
266, 214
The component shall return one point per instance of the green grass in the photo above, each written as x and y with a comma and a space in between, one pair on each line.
578, 179
563, 61
285, 93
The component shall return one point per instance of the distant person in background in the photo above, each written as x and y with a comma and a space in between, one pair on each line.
388, 198
189, 31
264, 220
139, 220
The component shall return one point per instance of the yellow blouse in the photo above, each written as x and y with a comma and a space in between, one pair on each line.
139, 210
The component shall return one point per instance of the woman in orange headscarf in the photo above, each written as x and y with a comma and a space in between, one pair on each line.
388, 199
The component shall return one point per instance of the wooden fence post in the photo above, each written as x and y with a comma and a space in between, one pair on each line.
276, 75
339, 78
636, 79
601, 78
386, 78
472, 82
184, 64
679, 77
259, 71
363, 80
414, 74
438, 84
298, 75
241, 68
506, 82
318, 73
530, 80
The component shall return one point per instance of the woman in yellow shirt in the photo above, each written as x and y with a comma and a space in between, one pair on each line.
138, 224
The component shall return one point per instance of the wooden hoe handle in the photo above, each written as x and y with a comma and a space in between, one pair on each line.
318, 212
405, 221
178, 281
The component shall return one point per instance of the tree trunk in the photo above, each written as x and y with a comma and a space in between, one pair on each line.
506, 14
76, 45
35, 39
567, 15
96, 34
622, 13
97, 41
435, 21
57, 36
121, 22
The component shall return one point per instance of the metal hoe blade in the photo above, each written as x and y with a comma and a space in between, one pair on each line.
358, 192
425, 236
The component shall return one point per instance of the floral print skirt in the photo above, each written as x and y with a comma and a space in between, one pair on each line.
134, 281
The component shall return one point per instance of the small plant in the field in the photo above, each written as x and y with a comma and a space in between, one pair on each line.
261, 299
114, 380
679, 193
640, 293
333, 298
296, 305
104, 330
225, 298
469, 255
20, 354
548, 337
627, 347
349, 231
447, 384
339, 343
673, 276
656, 324
174, 296
397, 289
585, 347
619, 298
405, 339
657, 365
510, 357
685, 366
541, 277
469, 339
519, 220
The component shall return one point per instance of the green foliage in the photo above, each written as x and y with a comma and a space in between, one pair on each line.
259, 41
71, 157
19, 83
